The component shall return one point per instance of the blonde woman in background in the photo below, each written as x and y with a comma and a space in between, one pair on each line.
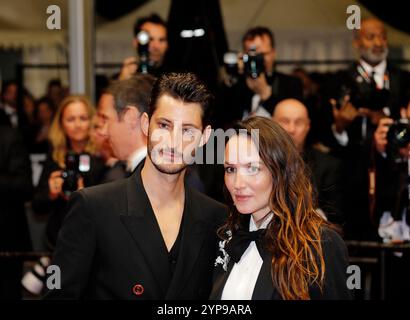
69, 135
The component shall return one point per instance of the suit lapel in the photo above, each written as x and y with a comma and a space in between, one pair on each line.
222, 276
194, 232
264, 289
394, 86
143, 227
220, 281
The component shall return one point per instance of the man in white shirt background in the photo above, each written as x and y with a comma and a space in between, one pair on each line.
119, 110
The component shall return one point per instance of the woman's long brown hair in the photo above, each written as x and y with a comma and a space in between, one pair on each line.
293, 236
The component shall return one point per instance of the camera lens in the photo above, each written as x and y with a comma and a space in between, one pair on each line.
399, 134
143, 38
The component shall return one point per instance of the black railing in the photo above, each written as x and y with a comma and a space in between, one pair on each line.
379, 257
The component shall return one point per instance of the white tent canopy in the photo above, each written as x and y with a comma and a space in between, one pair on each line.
304, 30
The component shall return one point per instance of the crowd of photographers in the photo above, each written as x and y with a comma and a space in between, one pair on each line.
351, 127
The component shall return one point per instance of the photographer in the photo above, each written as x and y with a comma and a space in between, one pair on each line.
70, 141
69, 132
369, 90
391, 198
392, 144
257, 91
157, 47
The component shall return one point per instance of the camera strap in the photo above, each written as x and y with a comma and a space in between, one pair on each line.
372, 183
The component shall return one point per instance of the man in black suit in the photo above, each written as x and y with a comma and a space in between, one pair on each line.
147, 236
120, 108
293, 116
363, 94
375, 88
15, 189
257, 96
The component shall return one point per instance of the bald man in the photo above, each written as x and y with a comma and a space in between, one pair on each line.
292, 115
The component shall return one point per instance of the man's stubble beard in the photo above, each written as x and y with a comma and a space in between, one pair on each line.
163, 168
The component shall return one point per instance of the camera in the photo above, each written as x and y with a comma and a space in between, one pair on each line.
399, 133
75, 165
253, 64
143, 39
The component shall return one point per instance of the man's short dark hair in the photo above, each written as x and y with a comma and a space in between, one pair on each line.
186, 87
133, 92
259, 32
153, 18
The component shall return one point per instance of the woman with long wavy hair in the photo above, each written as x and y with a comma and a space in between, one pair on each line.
275, 245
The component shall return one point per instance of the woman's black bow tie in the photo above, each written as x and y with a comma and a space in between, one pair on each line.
240, 242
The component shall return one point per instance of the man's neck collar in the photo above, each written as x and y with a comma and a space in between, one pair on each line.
136, 157
381, 66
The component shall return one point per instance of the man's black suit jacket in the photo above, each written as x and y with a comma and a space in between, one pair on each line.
111, 247
326, 172
397, 97
15, 188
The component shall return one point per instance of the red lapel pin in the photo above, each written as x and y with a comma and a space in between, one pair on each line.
138, 289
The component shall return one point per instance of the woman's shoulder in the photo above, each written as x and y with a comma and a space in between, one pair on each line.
331, 234
331, 237
336, 259
333, 245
